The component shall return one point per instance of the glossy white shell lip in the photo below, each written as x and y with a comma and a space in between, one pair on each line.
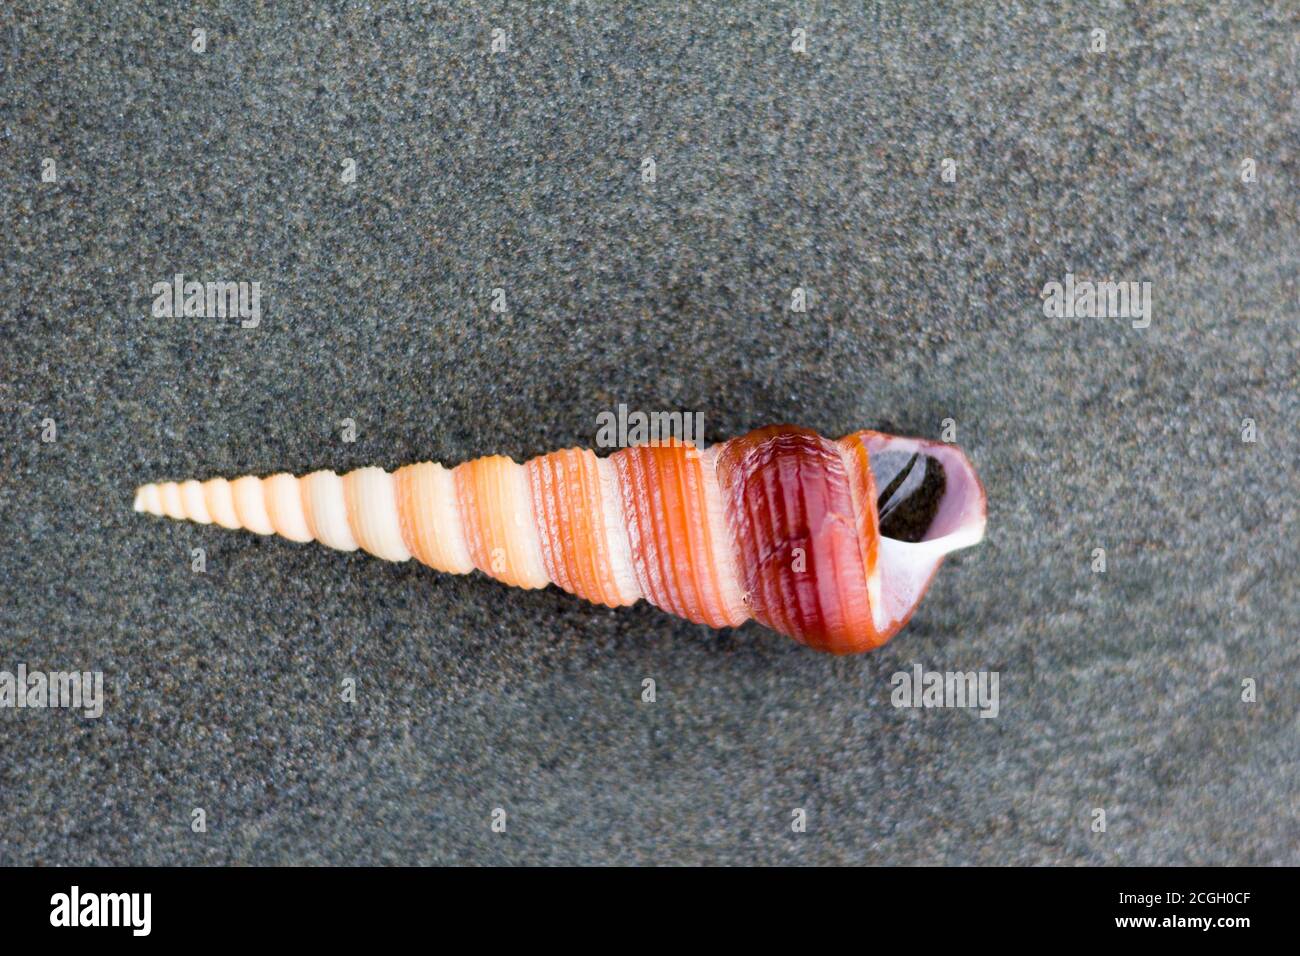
904, 568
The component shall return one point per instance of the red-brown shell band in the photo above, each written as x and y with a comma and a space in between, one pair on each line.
780, 524
793, 518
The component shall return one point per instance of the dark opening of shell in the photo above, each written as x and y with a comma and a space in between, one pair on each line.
910, 489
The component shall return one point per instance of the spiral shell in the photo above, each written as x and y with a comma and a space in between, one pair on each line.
832, 543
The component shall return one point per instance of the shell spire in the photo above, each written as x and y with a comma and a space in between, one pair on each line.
832, 543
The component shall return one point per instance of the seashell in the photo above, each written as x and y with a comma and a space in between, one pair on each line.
832, 543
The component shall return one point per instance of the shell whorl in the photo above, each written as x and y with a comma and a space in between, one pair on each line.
780, 525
